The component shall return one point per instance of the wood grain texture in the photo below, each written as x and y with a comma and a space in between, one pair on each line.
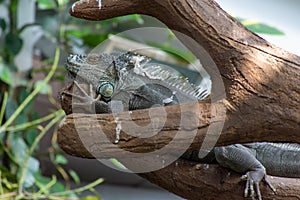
261, 81
262, 87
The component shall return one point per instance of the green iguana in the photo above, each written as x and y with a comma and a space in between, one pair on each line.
130, 79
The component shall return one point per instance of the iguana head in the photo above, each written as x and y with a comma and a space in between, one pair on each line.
103, 71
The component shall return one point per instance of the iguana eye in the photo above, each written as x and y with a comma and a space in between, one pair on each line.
105, 89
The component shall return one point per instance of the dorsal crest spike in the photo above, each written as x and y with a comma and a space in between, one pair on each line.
172, 78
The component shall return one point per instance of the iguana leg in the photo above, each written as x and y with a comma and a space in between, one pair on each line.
87, 101
251, 181
242, 159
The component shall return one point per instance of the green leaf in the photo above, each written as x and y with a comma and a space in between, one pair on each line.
60, 77
72, 195
13, 43
22, 118
2, 24
93, 40
34, 115
136, 17
13, 8
60, 159
30, 136
42, 181
117, 163
128, 19
46, 4
23, 94
7, 182
18, 147
185, 56
11, 106
63, 2
79, 33
171, 35
45, 90
57, 187
11, 177
32, 168
33, 165
264, 29
259, 27
90, 198
5, 74
74, 176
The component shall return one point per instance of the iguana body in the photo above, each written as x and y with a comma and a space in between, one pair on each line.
129, 78
133, 83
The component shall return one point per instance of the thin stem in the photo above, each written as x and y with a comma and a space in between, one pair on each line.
1, 188
8, 153
26, 26
80, 189
32, 196
13, 15
32, 123
33, 93
96, 193
64, 174
60, 169
60, 114
46, 187
2, 111
8, 195
53, 101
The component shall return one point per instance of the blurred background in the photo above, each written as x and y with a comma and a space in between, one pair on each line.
31, 163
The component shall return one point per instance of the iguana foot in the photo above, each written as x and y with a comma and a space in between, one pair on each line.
86, 101
242, 159
253, 179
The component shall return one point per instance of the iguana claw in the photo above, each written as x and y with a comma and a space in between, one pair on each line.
253, 179
86, 101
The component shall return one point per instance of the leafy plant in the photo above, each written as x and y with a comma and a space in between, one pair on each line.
21, 129
21, 178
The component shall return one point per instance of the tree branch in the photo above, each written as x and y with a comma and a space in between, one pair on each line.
90, 135
262, 86
261, 81
201, 181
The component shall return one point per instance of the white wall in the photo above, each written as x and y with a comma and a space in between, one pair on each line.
283, 14
26, 14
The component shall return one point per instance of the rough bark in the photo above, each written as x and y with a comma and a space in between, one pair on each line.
202, 181
261, 82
